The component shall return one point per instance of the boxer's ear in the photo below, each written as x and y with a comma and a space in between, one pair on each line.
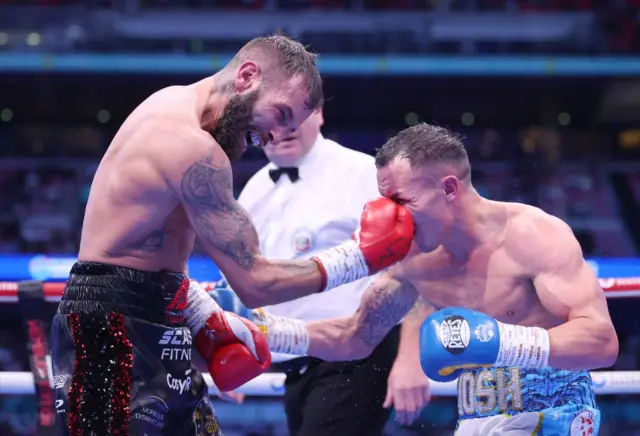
450, 186
247, 76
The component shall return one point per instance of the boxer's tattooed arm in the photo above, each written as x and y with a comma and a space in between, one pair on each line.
421, 309
225, 231
382, 307
207, 190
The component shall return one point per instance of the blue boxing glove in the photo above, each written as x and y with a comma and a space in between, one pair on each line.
228, 300
456, 338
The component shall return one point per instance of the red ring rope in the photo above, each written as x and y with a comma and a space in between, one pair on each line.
623, 287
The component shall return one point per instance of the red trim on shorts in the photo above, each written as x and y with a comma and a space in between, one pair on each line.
178, 304
77, 380
121, 388
83, 395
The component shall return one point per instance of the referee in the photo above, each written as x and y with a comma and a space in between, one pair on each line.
307, 199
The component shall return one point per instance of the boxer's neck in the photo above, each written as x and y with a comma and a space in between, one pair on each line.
211, 99
477, 222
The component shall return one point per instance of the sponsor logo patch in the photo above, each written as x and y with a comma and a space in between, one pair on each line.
455, 334
303, 240
205, 419
180, 385
177, 344
583, 424
153, 412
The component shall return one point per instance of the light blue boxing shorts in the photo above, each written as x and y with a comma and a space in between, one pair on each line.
526, 402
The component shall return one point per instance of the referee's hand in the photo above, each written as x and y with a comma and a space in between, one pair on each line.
407, 390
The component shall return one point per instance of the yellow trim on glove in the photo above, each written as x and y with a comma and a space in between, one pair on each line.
259, 318
448, 370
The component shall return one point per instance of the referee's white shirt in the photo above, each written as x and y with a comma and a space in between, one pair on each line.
319, 211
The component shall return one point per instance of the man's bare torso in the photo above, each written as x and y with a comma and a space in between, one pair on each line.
132, 218
492, 280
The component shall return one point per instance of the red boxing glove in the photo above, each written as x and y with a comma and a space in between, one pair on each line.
234, 365
235, 348
383, 238
385, 233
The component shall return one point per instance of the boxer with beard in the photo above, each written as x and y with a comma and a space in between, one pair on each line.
123, 334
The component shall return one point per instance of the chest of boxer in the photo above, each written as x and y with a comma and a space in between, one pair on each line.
490, 282
486, 392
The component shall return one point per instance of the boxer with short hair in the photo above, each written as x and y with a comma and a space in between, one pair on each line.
122, 337
520, 316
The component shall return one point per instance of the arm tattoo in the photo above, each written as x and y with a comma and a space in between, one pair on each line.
420, 308
207, 191
383, 308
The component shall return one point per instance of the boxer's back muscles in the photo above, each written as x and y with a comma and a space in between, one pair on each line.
164, 182
524, 274
132, 219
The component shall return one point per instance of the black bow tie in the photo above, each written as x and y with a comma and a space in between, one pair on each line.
292, 172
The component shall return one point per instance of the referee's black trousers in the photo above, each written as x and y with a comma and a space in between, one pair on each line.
339, 398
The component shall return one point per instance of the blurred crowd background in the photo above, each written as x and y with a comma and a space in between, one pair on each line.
564, 136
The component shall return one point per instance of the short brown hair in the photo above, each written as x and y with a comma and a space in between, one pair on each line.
294, 60
422, 144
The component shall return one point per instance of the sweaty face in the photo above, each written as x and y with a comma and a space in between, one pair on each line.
261, 115
420, 193
263, 109
280, 110
296, 144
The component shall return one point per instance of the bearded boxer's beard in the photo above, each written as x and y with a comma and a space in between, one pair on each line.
232, 126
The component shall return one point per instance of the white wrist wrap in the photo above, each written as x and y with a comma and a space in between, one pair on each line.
523, 347
285, 335
342, 264
200, 306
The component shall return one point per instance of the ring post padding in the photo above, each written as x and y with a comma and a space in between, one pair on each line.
32, 308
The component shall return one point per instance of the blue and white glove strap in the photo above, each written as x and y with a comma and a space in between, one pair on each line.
523, 347
285, 335
227, 299
200, 306
344, 263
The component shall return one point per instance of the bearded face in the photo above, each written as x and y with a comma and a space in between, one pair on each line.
232, 127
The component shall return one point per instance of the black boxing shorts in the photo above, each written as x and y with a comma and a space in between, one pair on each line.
121, 356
